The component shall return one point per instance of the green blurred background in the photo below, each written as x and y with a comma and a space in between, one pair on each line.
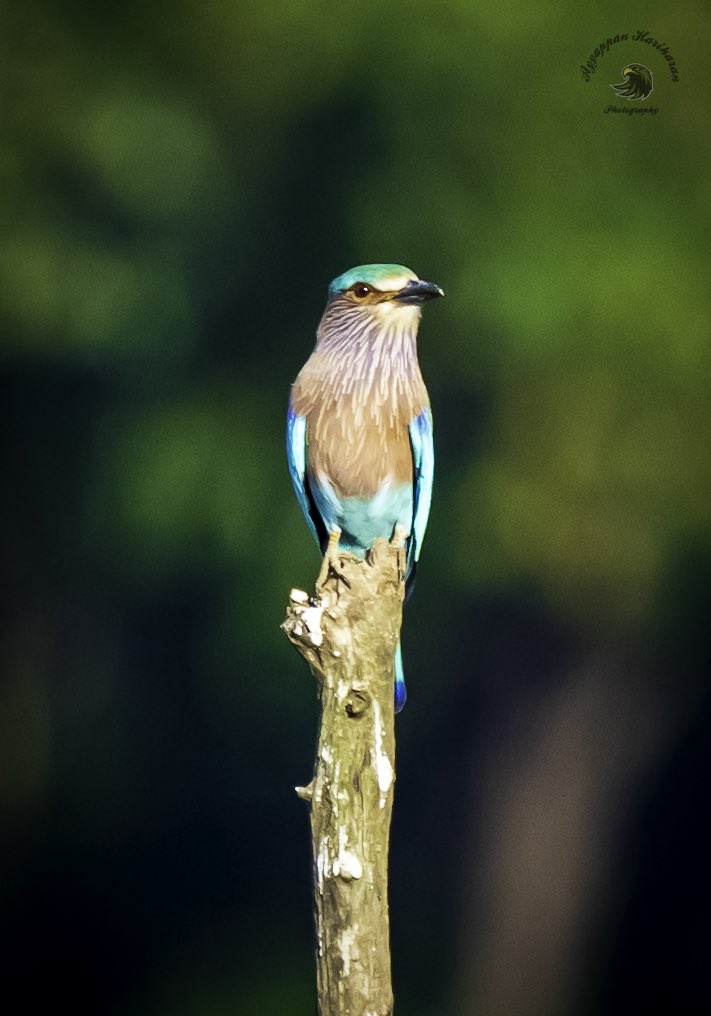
180, 181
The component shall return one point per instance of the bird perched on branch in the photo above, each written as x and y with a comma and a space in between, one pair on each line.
359, 426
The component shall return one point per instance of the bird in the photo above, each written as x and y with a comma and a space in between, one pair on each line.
359, 423
637, 83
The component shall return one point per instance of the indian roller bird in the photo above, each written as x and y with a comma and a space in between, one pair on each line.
359, 425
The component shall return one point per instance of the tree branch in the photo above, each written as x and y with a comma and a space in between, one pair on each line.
348, 634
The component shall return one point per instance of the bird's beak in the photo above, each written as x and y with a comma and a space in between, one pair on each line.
417, 291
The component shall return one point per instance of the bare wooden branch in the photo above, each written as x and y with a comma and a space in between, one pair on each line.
348, 634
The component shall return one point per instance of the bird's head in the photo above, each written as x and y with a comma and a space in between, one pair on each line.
389, 293
637, 84
638, 71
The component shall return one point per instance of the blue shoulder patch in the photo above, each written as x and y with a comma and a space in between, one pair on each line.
422, 443
296, 455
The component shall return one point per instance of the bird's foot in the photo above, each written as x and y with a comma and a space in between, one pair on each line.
331, 560
398, 541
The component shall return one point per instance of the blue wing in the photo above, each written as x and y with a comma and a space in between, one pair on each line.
296, 454
422, 445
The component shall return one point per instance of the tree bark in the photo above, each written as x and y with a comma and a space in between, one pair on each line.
348, 634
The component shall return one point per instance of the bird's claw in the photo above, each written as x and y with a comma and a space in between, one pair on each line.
331, 561
399, 541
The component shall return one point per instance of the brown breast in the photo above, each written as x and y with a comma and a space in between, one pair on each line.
357, 443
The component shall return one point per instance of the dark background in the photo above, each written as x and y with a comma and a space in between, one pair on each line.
179, 183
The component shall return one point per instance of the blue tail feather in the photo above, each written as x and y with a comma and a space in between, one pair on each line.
400, 690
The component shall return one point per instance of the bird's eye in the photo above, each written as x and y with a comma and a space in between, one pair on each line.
361, 290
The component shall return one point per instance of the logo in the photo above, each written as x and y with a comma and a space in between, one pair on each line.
637, 83
639, 80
